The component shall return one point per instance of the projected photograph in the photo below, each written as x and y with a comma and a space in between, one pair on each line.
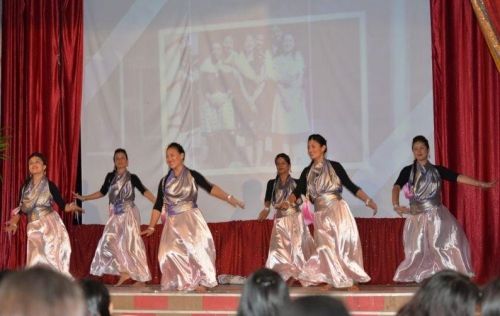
238, 95
237, 82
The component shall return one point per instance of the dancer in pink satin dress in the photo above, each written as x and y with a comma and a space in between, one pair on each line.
338, 260
433, 239
121, 250
48, 240
291, 242
187, 250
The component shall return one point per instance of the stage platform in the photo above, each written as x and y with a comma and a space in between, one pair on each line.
224, 299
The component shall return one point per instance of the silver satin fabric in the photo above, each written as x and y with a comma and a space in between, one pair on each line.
433, 239
338, 259
291, 243
48, 240
187, 251
121, 248
36, 199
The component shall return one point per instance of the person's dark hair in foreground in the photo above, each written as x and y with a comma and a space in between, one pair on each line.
447, 293
491, 299
40, 291
315, 306
264, 294
96, 296
3, 274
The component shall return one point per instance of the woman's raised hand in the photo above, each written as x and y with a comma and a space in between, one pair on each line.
78, 196
72, 207
263, 214
371, 204
401, 210
235, 202
10, 227
148, 231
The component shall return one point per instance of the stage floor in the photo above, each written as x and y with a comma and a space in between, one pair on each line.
224, 299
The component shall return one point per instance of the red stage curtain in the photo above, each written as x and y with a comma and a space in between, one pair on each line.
242, 247
42, 63
467, 125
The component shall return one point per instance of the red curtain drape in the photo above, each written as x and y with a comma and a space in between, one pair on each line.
467, 125
42, 63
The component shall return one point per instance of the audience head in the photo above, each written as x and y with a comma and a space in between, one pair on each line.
97, 298
40, 291
315, 306
446, 293
264, 294
3, 274
491, 299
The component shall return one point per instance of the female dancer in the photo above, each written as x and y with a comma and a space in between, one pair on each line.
433, 239
187, 250
48, 240
339, 258
121, 250
291, 243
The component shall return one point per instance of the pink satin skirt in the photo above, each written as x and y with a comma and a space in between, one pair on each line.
187, 252
433, 241
121, 248
48, 243
290, 247
339, 258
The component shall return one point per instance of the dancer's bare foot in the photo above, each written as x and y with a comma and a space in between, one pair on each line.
409, 284
123, 277
201, 289
326, 287
139, 284
353, 288
291, 282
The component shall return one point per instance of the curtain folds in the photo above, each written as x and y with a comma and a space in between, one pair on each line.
466, 88
42, 65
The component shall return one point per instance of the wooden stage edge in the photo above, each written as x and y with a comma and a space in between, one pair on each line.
224, 300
